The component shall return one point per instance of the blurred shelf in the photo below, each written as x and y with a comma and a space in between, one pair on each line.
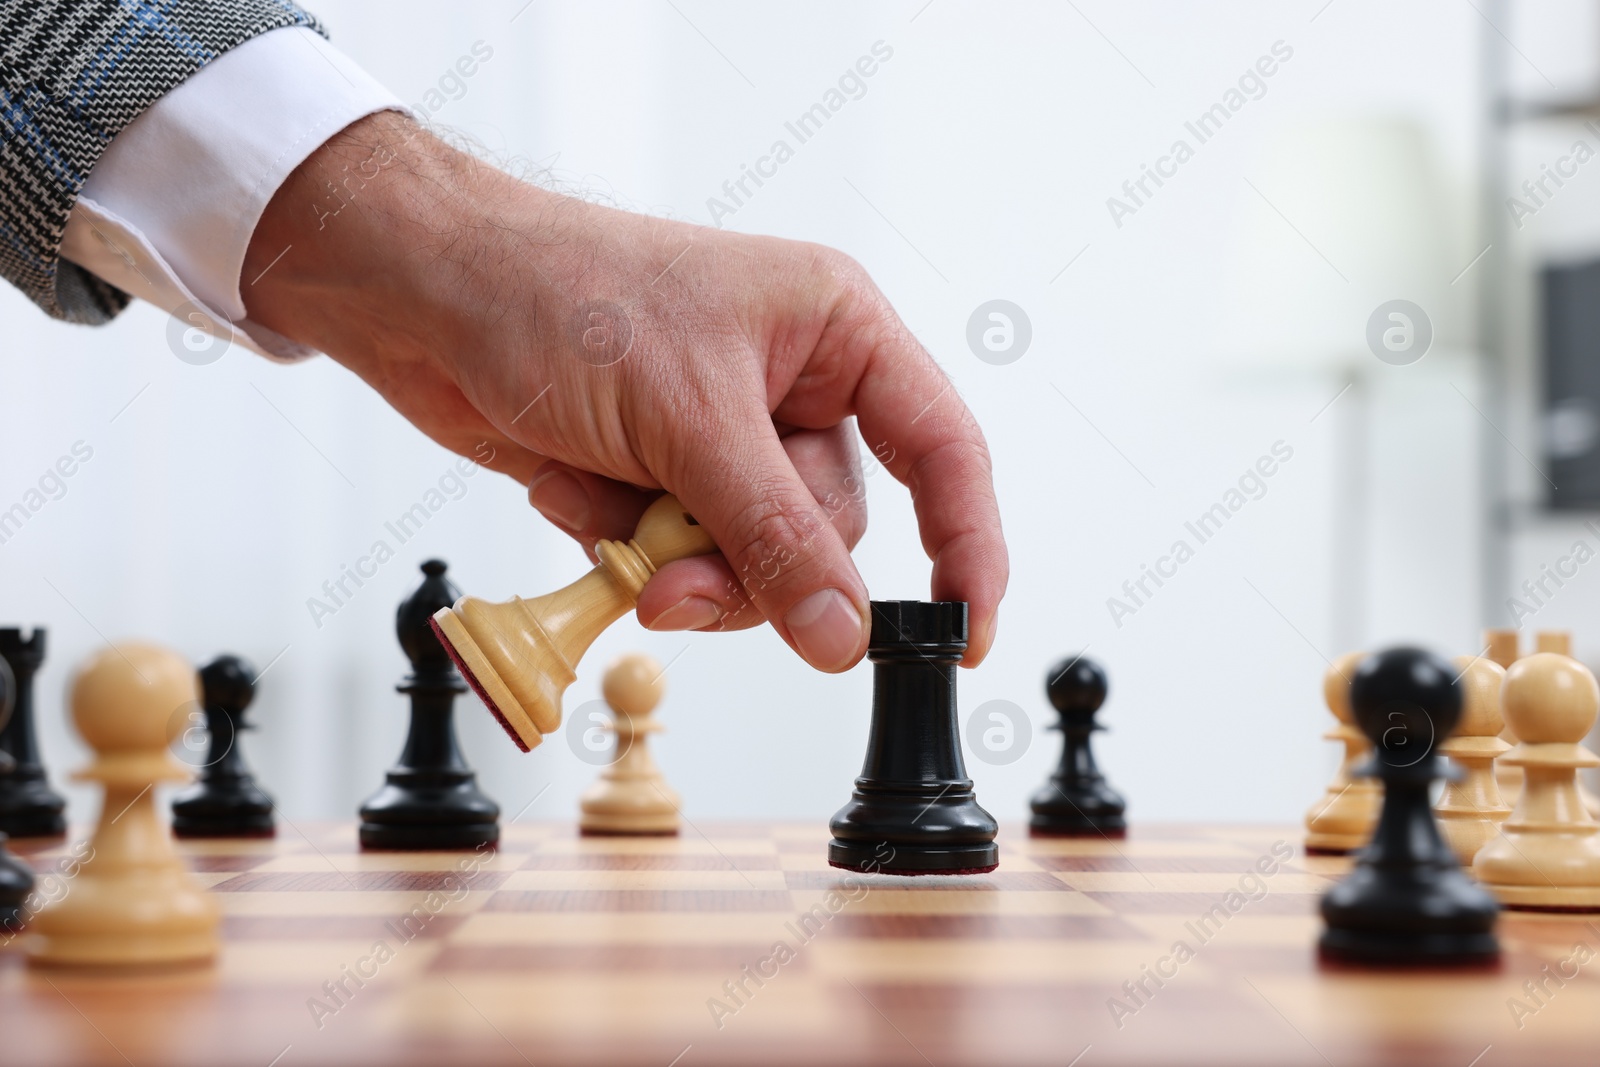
1513, 112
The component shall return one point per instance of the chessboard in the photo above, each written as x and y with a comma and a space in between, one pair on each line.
737, 943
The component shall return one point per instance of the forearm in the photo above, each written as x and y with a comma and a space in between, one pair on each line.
370, 249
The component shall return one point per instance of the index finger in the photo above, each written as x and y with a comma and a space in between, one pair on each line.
923, 433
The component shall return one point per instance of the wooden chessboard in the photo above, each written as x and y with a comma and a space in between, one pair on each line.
559, 949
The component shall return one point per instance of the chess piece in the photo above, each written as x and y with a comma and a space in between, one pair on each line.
132, 902
1560, 642
1407, 901
1470, 811
16, 879
431, 799
28, 806
1547, 856
1510, 777
519, 656
226, 802
1342, 820
1503, 647
631, 797
1557, 641
1076, 801
913, 810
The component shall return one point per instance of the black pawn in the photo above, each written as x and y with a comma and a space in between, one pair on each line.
1076, 801
913, 810
1407, 901
431, 800
28, 806
226, 802
16, 879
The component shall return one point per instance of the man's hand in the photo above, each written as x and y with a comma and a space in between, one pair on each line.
604, 356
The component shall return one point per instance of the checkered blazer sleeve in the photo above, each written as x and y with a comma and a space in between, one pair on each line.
73, 73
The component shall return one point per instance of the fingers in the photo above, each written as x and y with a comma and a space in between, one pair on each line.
829, 462
785, 553
963, 538
924, 435
587, 506
701, 593
698, 593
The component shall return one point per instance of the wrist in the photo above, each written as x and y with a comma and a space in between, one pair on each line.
368, 248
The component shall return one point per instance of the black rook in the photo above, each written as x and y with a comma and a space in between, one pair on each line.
16, 879
913, 810
28, 806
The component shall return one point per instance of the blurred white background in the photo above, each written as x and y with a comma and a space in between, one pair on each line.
976, 165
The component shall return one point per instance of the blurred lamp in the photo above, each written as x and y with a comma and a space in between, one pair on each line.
1341, 217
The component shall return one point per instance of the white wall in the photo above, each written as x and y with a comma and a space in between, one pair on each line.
223, 497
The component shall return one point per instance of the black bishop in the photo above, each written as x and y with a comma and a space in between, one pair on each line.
431, 799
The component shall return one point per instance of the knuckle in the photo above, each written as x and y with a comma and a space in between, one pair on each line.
847, 510
978, 444
852, 524
848, 280
838, 265
775, 541
966, 455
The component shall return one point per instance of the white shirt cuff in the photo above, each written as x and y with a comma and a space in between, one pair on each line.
168, 211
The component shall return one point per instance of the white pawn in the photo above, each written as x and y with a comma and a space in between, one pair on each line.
1343, 819
132, 902
1510, 778
631, 797
1560, 641
1471, 809
1548, 852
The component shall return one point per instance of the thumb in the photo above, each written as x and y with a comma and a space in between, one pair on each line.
785, 553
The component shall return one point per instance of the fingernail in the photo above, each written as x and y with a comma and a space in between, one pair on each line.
984, 641
560, 498
690, 613
827, 629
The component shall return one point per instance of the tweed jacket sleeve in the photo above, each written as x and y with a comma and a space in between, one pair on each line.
73, 74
